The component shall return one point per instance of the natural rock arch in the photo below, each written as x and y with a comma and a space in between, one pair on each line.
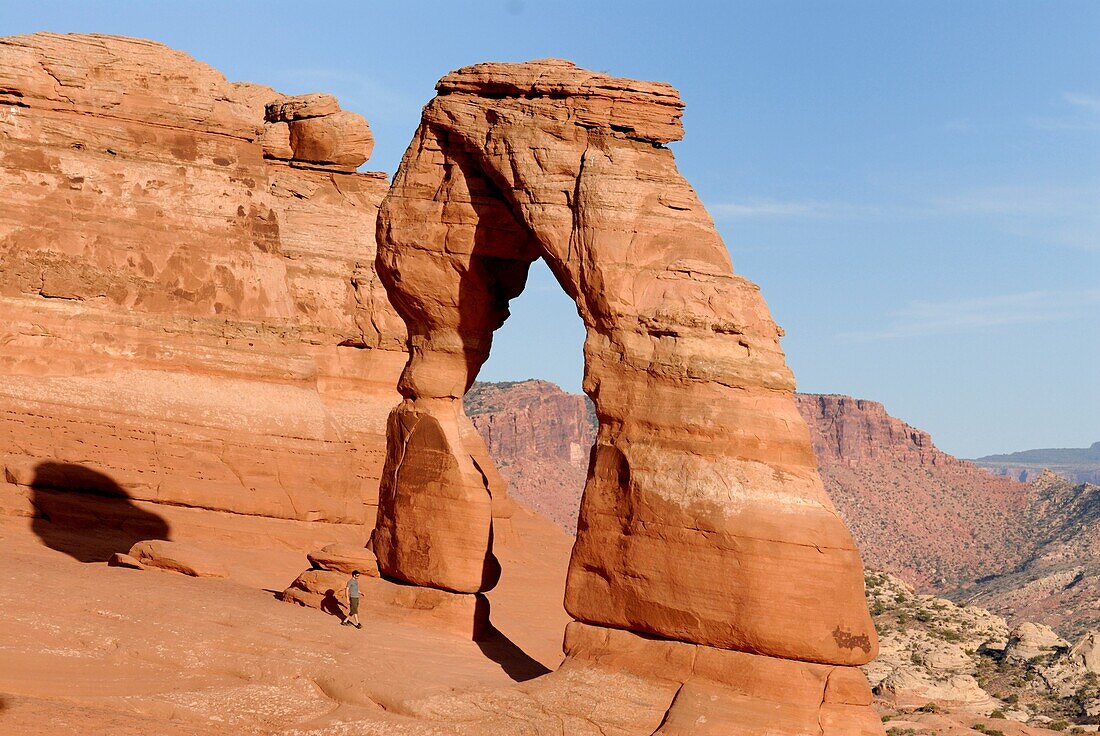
703, 518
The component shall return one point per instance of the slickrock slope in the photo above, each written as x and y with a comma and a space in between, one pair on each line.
191, 314
1079, 465
539, 437
916, 511
707, 550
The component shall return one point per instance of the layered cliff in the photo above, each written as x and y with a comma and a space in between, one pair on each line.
186, 272
540, 438
916, 511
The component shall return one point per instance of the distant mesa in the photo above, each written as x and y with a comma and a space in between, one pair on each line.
1079, 465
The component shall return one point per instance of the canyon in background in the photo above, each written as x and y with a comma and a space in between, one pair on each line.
1028, 551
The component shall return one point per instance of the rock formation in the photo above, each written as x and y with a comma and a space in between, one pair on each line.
1057, 581
190, 304
704, 524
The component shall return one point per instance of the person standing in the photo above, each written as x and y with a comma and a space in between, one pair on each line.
351, 592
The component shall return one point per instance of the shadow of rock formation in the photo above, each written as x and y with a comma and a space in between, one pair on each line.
516, 663
86, 514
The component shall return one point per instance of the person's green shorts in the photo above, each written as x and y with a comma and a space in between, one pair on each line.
353, 606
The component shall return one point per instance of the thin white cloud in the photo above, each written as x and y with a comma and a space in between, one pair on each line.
759, 208
1088, 102
1084, 115
1024, 201
1049, 215
955, 316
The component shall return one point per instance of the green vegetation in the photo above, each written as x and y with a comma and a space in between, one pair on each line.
981, 728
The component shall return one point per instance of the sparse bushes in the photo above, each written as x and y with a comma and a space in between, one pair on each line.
982, 728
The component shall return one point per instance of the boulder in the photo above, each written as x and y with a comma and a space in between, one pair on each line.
1030, 640
118, 559
343, 139
344, 558
1086, 652
178, 557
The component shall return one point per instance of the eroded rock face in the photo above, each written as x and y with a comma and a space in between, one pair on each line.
186, 277
703, 519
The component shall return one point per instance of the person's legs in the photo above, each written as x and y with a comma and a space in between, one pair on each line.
353, 614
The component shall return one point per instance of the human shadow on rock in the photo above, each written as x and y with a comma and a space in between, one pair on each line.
86, 514
330, 604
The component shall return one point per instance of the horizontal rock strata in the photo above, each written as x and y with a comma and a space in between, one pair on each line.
190, 306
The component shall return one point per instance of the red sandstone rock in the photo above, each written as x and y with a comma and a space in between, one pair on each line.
119, 559
343, 139
198, 323
703, 508
704, 519
178, 557
300, 107
344, 558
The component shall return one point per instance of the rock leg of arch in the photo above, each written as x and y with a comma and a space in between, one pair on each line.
703, 521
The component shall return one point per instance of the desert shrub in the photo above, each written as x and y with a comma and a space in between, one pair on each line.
1058, 726
998, 714
929, 708
982, 728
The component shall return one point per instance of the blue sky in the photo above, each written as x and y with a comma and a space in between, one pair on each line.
914, 185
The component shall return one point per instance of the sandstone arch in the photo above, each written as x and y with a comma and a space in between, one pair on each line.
703, 518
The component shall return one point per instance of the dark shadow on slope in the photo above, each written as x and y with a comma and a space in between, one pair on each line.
86, 514
515, 662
